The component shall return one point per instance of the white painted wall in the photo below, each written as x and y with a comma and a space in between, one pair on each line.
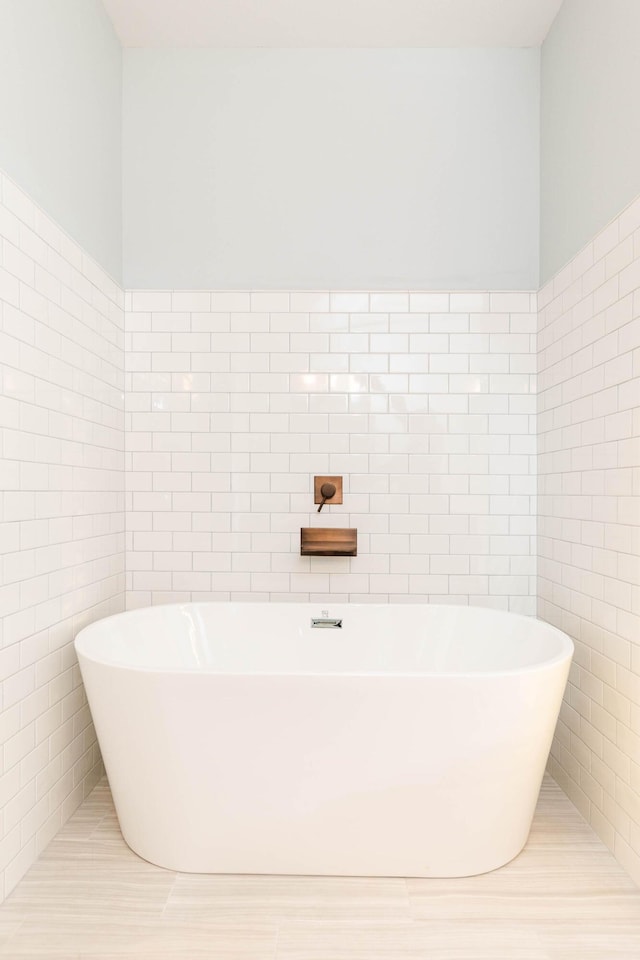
590, 124
331, 169
61, 117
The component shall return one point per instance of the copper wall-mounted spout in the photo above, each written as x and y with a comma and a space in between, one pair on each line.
328, 542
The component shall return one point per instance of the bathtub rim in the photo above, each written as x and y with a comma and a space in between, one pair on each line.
565, 653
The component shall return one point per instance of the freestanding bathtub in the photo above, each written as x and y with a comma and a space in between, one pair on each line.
409, 741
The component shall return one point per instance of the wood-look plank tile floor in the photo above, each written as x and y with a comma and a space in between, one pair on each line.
89, 896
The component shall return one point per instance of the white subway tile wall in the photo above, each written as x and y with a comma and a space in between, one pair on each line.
589, 523
61, 516
424, 402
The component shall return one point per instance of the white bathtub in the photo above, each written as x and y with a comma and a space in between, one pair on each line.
409, 742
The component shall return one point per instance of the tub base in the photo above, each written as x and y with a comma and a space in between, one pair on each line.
335, 776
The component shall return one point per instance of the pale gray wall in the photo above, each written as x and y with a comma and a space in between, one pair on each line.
331, 168
61, 117
590, 127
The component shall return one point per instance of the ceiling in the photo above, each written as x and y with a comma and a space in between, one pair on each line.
332, 23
